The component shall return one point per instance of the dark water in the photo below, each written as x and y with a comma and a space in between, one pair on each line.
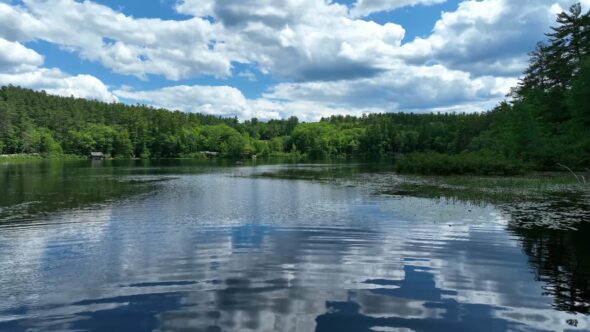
186, 246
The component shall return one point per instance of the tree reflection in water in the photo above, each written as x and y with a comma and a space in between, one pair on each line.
560, 259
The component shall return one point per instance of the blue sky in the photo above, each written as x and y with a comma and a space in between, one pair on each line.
275, 58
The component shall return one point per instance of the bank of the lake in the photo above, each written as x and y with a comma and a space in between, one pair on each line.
477, 163
24, 157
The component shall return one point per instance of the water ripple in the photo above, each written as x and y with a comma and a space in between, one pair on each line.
224, 252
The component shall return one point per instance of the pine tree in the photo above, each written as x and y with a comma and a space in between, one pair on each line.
569, 44
536, 76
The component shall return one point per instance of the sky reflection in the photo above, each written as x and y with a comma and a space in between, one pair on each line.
222, 252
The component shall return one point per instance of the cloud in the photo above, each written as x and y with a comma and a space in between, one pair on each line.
196, 8
300, 39
490, 37
248, 74
405, 88
20, 66
56, 82
408, 88
16, 24
173, 49
15, 57
291, 39
216, 100
229, 101
363, 8
329, 57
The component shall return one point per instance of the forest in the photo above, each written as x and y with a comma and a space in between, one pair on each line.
544, 123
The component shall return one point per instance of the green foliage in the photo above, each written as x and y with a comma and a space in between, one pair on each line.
481, 163
39, 140
549, 120
579, 96
97, 137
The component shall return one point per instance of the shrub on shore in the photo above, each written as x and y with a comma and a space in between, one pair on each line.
469, 163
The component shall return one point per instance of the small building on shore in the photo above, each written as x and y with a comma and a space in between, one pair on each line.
209, 154
96, 155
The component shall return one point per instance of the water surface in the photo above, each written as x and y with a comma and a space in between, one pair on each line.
183, 245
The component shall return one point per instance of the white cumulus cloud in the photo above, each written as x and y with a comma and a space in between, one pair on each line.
329, 57
173, 49
300, 39
215, 100
415, 88
15, 57
367, 7
21, 66
489, 37
56, 82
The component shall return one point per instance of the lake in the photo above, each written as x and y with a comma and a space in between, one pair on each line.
214, 246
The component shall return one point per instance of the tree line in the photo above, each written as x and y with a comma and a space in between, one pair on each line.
545, 121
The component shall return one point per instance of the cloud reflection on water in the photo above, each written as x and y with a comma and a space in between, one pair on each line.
216, 252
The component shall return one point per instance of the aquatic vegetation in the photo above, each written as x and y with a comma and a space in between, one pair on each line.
28, 157
554, 200
473, 163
